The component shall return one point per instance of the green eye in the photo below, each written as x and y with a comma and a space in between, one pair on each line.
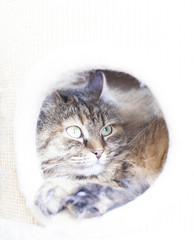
106, 131
74, 132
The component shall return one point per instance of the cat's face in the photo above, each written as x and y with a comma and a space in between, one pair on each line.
81, 135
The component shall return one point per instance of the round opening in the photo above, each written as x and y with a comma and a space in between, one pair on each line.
102, 140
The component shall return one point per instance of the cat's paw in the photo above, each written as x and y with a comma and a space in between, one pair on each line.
87, 202
50, 199
82, 204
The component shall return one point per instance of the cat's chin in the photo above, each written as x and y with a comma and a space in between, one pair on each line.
92, 170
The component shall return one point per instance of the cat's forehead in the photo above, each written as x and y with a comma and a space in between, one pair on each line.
74, 120
90, 116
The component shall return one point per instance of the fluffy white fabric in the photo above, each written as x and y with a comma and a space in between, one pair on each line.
152, 40
10, 230
168, 188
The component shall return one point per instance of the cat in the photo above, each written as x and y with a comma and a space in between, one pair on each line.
101, 143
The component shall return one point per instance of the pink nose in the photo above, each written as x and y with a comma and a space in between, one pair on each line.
98, 152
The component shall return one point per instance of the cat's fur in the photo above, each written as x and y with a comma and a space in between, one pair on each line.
131, 157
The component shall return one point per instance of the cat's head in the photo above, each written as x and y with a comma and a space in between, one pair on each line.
79, 132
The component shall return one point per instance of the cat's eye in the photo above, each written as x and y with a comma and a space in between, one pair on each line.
74, 132
106, 131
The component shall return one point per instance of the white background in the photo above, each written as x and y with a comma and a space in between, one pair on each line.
160, 37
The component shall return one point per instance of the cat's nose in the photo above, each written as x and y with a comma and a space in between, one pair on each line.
98, 152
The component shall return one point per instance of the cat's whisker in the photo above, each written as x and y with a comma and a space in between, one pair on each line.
54, 166
141, 132
81, 162
133, 140
78, 158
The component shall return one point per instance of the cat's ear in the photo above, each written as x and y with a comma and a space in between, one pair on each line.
54, 97
97, 85
47, 108
58, 96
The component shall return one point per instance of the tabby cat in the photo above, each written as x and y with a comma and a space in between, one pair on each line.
101, 143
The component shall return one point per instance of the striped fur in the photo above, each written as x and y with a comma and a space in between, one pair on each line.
133, 154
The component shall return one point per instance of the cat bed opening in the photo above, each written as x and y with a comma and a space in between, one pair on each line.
37, 85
